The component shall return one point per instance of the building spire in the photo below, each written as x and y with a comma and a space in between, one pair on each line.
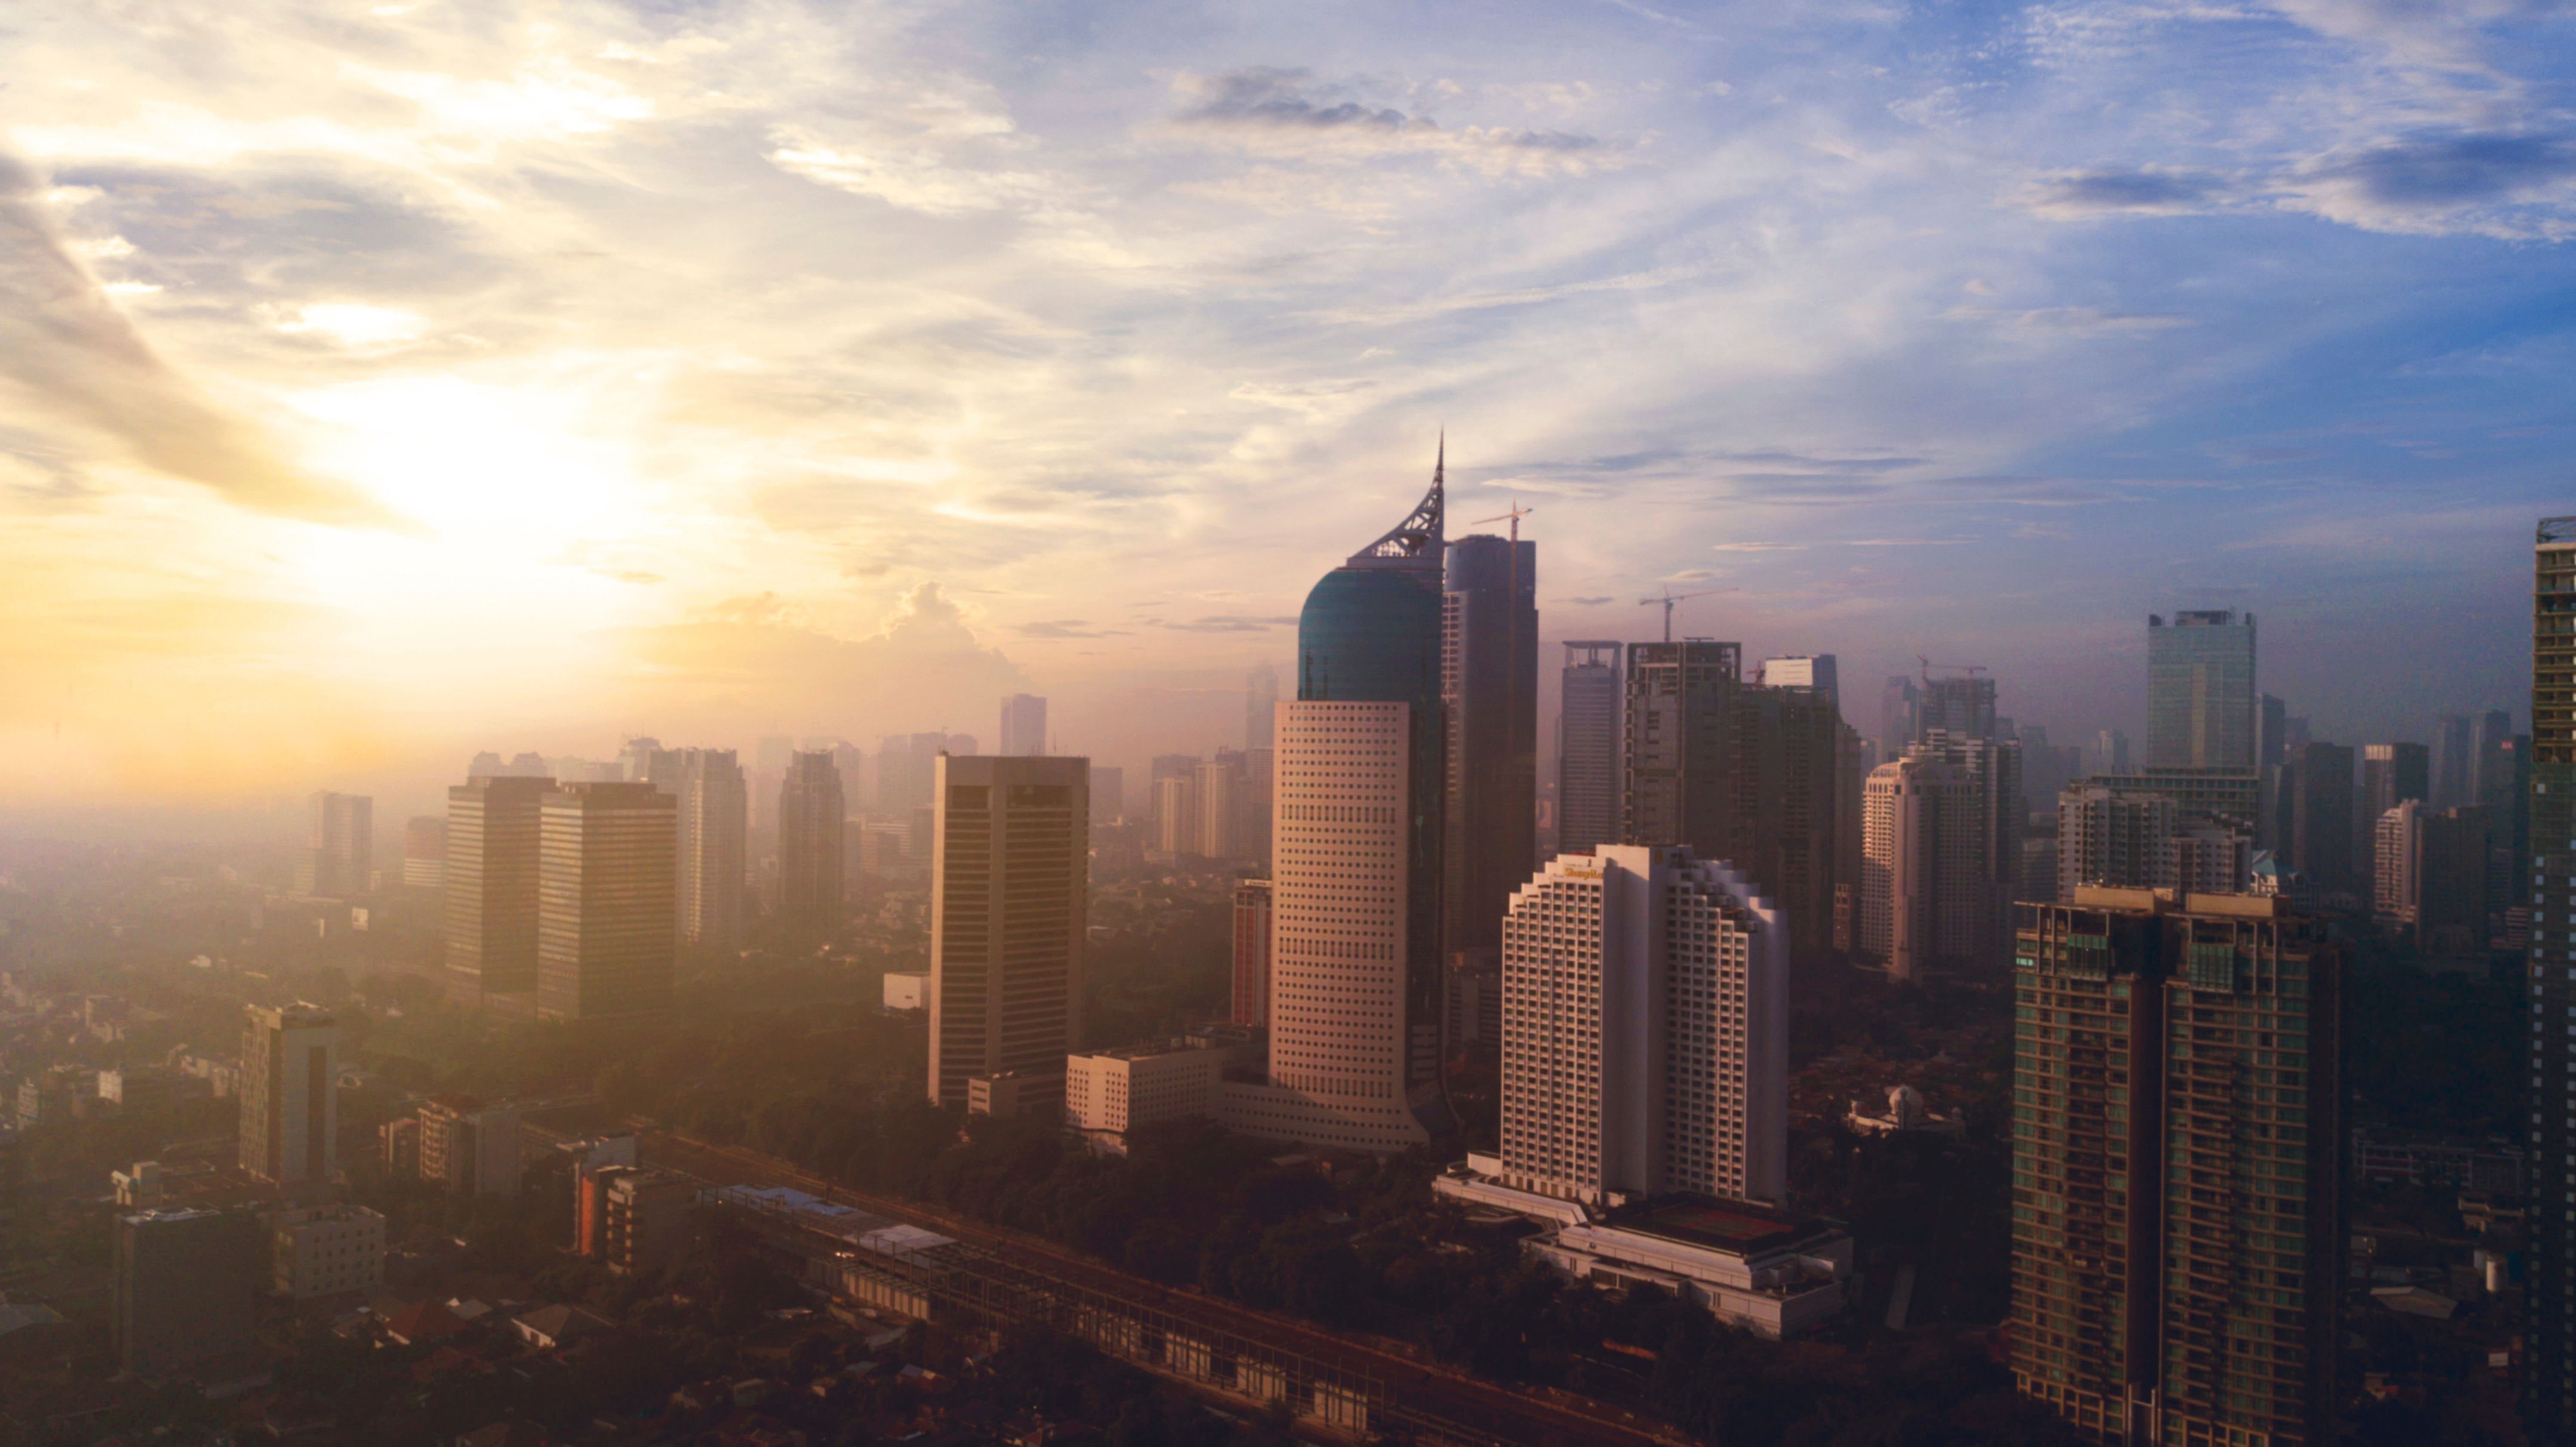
1414, 542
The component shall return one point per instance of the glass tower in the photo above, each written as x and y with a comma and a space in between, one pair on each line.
2201, 703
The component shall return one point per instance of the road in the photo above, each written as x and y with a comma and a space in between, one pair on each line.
1472, 1410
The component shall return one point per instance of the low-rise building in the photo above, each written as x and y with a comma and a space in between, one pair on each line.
325, 1250
907, 990
1010, 1092
645, 1218
1774, 1273
184, 1290
1108, 1093
138, 1188
470, 1145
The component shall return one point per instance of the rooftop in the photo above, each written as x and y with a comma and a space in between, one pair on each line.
1740, 1227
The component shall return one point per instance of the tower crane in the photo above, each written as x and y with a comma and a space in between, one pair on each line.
1670, 597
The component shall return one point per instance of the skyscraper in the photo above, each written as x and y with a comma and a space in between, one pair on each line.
905, 763
1899, 706
1588, 778
339, 846
1963, 706
1921, 900
2550, 1309
1009, 907
424, 852
1784, 815
1108, 794
1489, 696
711, 839
1176, 814
2392, 774
290, 1112
2455, 761
2177, 1229
1675, 740
2320, 823
1814, 671
1356, 999
1645, 1029
1224, 805
2116, 833
491, 907
607, 907
1260, 701
1250, 997
1024, 725
810, 816
2202, 708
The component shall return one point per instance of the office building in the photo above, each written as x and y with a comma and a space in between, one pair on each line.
607, 912
1176, 815
1792, 770
905, 764
1814, 671
1900, 704
1009, 908
290, 1109
184, 1293
810, 818
2121, 833
1645, 1030
470, 1145
1489, 702
2178, 1240
2320, 816
2396, 842
339, 846
327, 1250
2454, 761
2550, 1285
1251, 963
1963, 707
493, 834
1356, 996
2202, 707
424, 852
2109, 753
1588, 777
643, 1217
1223, 801
1110, 1093
1024, 726
1674, 741
1108, 794
1923, 897
711, 841
2391, 774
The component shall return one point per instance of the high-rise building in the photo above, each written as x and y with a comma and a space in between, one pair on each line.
1009, 908
607, 907
1260, 701
339, 846
2120, 833
2455, 881
1357, 995
2320, 816
185, 1292
905, 763
2178, 1238
1588, 779
810, 818
1224, 806
1645, 1030
290, 1110
1814, 671
2396, 845
1176, 815
1675, 741
2272, 750
2392, 774
2202, 706
470, 1145
493, 835
1108, 794
424, 852
2454, 761
2109, 753
1250, 998
1922, 898
1900, 705
1489, 697
1787, 768
2550, 1285
1024, 726
711, 841
1963, 707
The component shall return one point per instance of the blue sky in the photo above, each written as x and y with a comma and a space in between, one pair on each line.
384, 380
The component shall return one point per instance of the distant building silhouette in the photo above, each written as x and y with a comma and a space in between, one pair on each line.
339, 846
607, 906
1588, 776
2203, 710
1024, 726
810, 835
1010, 879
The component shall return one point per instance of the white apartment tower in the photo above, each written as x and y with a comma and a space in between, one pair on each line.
1922, 898
1645, 1029
290, 1113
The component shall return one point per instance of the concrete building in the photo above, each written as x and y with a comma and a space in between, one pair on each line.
1008, 913
1588, 775
810, 816
2453, 761
1176, 814
1674, 744
1024, 726
326, 1250
1108, 794
1767, 1271
644, 1217
1489, 705
1223, 803
607, 912
1250, 996
424, 852
1922, 897
339, 846
2201, 699
2178, 1240
1963, 707
184, 1292
493, 846
1900, 706
907, 989
2125, 834
469, 1145
2550, 1313
1109, 1093
711, 839
1645, 1030
290, 1111
400, 1141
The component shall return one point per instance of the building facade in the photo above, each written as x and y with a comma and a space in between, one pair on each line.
1645, 1030
2550, 1312
424, 852
1675, 738
1109, 1093
2202, 706
810, 833
1588, 774
1009, 907
493, 846
1489, 699
470, 1145
339, 846
1024, 726
1920, 894
290, 1109
1249, 999
327, 1250
184, 1290
712, 841
607, 908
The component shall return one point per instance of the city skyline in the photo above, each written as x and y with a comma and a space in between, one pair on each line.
297, 255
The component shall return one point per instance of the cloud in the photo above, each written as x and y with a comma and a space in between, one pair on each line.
1757, 547
1231, 624
350, 324
904, 173
1283, 111
64, 342
2089, 321
2498, 184
1069, 628
1591, 602
1662, 276
2145, 191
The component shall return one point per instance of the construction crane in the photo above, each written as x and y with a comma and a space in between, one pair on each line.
1670, 597
1515, 515
1970, 669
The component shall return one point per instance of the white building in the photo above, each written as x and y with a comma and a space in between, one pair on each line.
1814, 671
290, 1113
1645, 1029
1109, 1093
907, 989
1024, 726
1772, 1273
1339, 900
325, 1250
2396, 849
1920, 893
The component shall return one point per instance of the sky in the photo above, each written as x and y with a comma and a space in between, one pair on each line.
381, 382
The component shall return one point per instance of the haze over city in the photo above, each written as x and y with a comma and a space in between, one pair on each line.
389, 382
